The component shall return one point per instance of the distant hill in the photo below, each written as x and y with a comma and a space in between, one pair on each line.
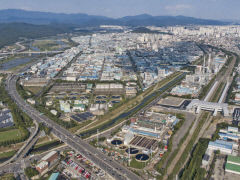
33, 17
148, 31
11, 32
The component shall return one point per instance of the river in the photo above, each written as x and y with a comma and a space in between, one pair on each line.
14, 63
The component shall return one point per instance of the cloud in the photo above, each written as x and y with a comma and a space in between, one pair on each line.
26, 8
178, 8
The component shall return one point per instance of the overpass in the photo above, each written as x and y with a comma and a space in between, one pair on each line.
198, 105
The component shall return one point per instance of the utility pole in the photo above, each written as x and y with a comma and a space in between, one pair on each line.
128, 156
97, 137
151, 152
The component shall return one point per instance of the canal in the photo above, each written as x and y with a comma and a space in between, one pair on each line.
143, 103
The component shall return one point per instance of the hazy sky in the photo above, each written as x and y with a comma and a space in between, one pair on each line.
214, 9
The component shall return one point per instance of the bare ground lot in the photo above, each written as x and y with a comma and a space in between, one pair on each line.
189, 118
220, 174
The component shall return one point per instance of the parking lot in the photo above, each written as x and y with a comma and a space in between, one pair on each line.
77, 166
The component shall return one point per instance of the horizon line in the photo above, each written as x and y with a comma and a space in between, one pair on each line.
75, 13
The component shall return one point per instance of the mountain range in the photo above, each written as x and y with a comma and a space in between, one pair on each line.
83, 20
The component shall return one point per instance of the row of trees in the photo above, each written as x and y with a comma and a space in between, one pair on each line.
189, 146
21, 120
159, 166
192, 169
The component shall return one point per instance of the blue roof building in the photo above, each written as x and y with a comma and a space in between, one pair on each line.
228, 136
223, 146
144, 133
54, 176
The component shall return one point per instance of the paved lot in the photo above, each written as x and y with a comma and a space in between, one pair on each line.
189, 118
171, 101
219, 173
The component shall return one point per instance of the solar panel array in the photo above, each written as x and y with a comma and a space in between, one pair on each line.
82, 117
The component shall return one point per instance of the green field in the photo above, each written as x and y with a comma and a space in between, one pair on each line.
136, 164
7, 177
7, 154
9, 135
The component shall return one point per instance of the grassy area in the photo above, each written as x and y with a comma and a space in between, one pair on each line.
21, 120
50, 45
81, 125
44, 144
9, 135
7, 154
218, 92
136, 164
34, 89
7, 177
38, 148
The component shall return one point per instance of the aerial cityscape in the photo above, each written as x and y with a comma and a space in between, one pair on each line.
102, 91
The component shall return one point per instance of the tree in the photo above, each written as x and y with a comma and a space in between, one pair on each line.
30, 172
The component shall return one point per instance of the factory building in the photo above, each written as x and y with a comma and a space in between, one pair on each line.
112, 88
42, 167
34, 82
224, 147
69, 87
47, 162
233, 164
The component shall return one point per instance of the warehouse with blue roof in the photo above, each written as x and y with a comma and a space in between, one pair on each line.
223, 146
226, 136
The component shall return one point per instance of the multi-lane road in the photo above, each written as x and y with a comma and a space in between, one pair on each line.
113, 168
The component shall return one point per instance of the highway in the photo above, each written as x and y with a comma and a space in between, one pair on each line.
113, 168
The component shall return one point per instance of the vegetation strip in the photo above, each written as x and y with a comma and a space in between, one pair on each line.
189, 146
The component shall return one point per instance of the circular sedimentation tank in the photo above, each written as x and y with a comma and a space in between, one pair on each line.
101, 102
116, 142
142, 157
132, 150
115, 102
